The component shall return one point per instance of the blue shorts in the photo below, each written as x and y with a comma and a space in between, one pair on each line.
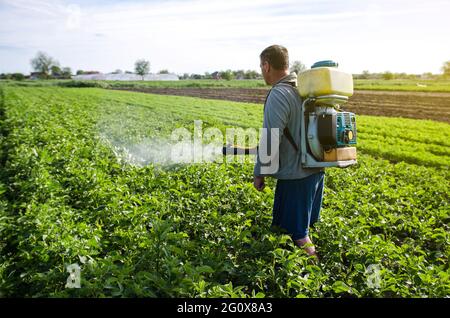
297, 204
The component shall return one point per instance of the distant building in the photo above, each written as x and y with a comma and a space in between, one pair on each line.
36, 75
126, 77
216, 76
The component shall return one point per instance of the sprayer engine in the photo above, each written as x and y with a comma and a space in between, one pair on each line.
328, 135
329, 130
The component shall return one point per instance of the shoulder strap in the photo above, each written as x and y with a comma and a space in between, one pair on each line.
288, 135
286, 131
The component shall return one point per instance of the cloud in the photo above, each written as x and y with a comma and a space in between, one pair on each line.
12, 48
73, 19
205, 35
41, 7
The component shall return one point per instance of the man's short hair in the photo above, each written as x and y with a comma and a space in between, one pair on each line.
277, 56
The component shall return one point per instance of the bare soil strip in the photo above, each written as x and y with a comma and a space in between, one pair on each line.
419, 105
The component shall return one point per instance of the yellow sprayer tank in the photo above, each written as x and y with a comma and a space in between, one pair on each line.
324, 78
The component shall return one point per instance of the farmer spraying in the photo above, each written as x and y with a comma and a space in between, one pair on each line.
304, 131
299, 190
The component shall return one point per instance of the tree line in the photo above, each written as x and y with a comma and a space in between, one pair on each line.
388, 75
46, 67
296, 67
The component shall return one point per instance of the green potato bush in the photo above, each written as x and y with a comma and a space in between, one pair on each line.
201, 230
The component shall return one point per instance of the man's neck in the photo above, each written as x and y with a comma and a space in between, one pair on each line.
278, 76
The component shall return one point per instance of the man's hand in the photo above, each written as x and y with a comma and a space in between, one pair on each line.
258, 183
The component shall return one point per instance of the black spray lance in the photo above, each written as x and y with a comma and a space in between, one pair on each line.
236, 150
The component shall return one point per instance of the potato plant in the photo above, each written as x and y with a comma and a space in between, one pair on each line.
201, 230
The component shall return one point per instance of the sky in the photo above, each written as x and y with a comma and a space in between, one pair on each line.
197, 36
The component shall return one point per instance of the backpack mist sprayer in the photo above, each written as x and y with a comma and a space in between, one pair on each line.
328, 134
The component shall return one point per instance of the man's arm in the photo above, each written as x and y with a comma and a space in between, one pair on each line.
276, 115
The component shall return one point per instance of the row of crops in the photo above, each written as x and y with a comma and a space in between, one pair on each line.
201, 230
414, 85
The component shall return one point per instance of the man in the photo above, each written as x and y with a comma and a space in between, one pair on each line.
298, 194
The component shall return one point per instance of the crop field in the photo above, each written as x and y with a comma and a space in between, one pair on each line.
72, 191
422, 105
394, 98
417, 85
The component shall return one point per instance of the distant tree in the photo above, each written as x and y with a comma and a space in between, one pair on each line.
80, 72
185, 76
196, 76
297, 67
446, 69
239, 74
216, 75
251, 74
128, 72
207, 75
56, 71
227, 75
387, 75
365, 75
163, 72
66, 72
17, 76
427, 75
43, 63
142, 67
118, 71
